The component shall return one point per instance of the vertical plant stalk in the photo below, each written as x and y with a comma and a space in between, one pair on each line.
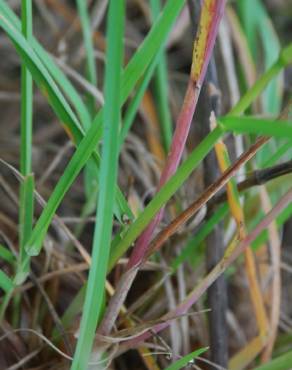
211, 14
90, 173
109, 167
217, 293
27, 187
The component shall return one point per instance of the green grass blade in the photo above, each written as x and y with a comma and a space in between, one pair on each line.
90, 178
26, 95
5, 282
282, 362
186, 360
148, 49
109, 168
135, 102
161, 87
6, 255
77, 162
251, 125
259, 29
27, 187
88, 45
279, 153
283, 60
26, 220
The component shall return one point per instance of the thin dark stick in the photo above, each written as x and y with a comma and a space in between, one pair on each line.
258, 177
205, 197
217, 293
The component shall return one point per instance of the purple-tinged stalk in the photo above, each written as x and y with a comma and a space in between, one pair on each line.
232, 253
211, 14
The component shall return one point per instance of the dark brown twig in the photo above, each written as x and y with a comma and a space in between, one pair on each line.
167, 232
257, 178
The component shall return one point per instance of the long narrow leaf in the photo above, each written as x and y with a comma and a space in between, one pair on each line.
88, 44
109, 168
264, 127
27, 187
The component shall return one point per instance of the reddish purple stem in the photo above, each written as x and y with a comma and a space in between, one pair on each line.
183, 125
180, 135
